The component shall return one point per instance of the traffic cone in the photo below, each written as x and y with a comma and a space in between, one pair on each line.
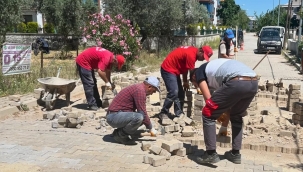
242, 46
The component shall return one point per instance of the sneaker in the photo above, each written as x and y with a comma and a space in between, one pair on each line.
124, 140
94, 108
233, 158
210, 159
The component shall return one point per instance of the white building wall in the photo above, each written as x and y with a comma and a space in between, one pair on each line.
215, 22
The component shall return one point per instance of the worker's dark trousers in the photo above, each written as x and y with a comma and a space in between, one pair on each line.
90, 86
175, 93
235, 95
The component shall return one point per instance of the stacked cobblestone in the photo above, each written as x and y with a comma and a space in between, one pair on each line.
107, 96
293, 95
163, 92
297, 117
188, 104
198, 105
162, 150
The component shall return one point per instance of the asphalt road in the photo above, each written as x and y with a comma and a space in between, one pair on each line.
273, 67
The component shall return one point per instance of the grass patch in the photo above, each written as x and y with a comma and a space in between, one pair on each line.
213, 43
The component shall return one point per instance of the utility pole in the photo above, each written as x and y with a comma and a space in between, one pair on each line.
300, 30
286, 29
279, 15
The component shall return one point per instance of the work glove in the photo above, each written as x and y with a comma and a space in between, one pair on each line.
223, 131
153, 132
108, 86
222, 118
186, 86
199, 91
209, 107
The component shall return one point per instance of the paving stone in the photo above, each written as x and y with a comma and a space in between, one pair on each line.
155, 149
179, 152
145, 145
165, 153
172, 145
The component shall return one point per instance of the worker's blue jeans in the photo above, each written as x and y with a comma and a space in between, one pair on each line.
175, 93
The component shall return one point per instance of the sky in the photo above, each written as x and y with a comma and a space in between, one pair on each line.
259, 6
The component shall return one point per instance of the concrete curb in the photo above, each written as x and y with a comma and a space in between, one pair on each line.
293, 62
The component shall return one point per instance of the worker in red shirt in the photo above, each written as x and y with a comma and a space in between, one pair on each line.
102, 60
177, 63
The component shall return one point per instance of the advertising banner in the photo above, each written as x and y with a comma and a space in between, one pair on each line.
16, 58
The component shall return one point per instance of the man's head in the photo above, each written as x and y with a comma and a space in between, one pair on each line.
192, 77
119, 60
152, 84
204, 53
228, 35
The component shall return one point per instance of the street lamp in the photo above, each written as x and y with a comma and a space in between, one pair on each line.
279, 14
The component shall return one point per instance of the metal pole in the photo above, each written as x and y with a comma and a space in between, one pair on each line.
300, 31
279, 14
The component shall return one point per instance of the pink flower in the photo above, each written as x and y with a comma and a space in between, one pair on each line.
88, 36
122, 43
136, 57
94, 31
99, 43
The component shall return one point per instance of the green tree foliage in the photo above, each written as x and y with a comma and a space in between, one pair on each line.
32, 27
89, 8
10, 16
243, 20
65, 15
158, 16
228, 12
270, 18
194, 12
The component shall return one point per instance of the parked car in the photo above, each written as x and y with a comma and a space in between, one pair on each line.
240, 37
269, 39
280, 29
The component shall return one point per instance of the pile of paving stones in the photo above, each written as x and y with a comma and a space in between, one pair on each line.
162, 150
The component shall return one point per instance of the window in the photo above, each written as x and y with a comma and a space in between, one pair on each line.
28, 18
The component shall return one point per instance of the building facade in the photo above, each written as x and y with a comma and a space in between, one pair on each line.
211, 6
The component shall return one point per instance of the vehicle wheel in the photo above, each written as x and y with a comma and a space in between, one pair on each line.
49, 104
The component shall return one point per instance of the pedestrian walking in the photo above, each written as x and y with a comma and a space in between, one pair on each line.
179, 62
127, 112
102, 60
235, 87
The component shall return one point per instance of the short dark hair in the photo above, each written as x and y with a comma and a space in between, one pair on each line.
191, 74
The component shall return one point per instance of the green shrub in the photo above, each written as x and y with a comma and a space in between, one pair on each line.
32, 27
192, 29
49, 28
21, 28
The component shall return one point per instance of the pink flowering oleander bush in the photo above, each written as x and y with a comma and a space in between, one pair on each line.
115, 34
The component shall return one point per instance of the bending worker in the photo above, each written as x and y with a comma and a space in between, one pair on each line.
178, 62
235, 87
102, 60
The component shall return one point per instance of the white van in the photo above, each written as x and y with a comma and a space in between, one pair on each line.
280, 29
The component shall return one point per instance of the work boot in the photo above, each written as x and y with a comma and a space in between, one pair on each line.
210, 159
163, 116
235, 158
124, 139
